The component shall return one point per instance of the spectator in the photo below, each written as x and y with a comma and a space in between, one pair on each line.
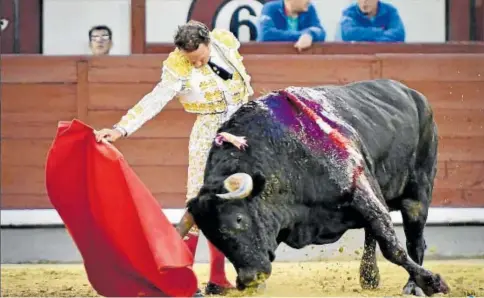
291, 20
371, 20
100, 40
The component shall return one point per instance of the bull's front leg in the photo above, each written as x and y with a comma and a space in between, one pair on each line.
369, 272
378, 220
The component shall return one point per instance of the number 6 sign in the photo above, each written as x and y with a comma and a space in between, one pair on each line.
3, 24
238, 16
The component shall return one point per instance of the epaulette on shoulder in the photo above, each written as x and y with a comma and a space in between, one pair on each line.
178, 64
225, 37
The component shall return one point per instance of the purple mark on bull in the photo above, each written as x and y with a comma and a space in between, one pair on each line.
304, 128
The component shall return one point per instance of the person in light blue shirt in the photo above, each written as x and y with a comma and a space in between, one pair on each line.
290, 20
371, 21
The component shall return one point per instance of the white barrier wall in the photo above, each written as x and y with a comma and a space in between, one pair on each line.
66, 25
163, 17
50, 217
66, 22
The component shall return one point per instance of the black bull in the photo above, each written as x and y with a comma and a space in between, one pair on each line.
296, 185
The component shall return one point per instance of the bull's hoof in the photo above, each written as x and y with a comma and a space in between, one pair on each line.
433, 284
198, 293
214, 289
252, 290
411, 288
369, 276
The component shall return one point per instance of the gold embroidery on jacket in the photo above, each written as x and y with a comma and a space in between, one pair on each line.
205, 70
178, 63
238, 56
138, 109
205, 107
204, 85
214, 95
226, 37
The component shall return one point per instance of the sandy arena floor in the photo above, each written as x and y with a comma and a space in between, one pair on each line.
465, 277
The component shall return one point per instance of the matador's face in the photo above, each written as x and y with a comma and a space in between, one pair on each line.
199, 57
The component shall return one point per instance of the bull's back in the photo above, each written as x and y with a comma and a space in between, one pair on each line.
384, 113
386, 116
395, 126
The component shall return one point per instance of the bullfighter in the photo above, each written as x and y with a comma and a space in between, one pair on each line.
206, 73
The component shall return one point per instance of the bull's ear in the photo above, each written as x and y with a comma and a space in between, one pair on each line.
259, 184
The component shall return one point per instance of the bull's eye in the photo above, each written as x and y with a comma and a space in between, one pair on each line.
239, 218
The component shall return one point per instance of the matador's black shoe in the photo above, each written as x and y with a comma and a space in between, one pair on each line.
214, 289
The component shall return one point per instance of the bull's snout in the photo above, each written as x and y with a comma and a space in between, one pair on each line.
251, 278
245, 278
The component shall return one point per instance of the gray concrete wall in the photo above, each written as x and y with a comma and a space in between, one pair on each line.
56, 245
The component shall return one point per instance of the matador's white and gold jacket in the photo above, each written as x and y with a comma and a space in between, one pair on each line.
199, 90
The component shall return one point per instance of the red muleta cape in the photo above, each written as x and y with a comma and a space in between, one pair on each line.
128, 246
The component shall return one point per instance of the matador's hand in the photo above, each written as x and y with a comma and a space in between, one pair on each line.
106, 134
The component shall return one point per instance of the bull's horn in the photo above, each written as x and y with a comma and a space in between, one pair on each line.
186, 223
239, 186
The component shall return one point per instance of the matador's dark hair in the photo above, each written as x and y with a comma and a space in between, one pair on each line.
190, 35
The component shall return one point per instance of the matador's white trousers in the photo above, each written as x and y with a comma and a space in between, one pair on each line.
201, 139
